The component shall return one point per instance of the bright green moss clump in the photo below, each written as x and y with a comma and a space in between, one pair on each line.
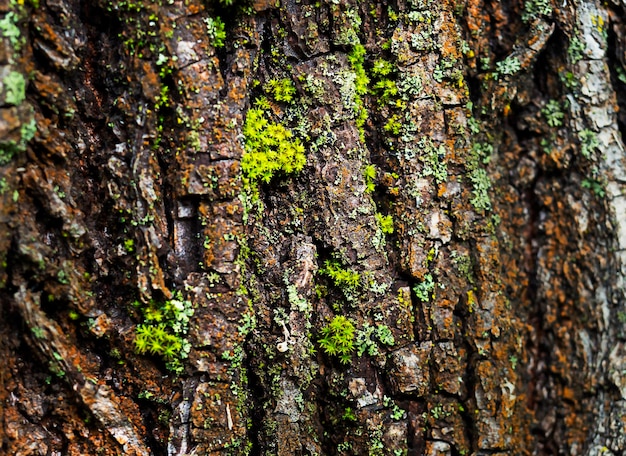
357, 59
164, 329
341, 277
282, 90
338, 338
270, 148
369, 174
385, 222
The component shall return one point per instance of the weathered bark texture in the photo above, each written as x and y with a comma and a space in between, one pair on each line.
462, 205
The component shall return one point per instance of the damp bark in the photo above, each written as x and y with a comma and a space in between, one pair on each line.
308, 228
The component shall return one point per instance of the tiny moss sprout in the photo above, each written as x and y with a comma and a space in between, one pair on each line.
384, 87
381, 67
337, 338
349, 414
281, 89
341, 277
385, 222
393, 125
369, 174
129, 245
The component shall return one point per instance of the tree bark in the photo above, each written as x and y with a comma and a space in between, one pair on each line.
441, 273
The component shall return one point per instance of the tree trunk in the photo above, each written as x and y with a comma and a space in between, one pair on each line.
307, 228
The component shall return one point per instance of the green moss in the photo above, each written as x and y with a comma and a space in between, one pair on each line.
281, 89
215, 31
393, 125
337, 338
357, 59
129, 245
341, 277
369, 175
381, 68
270, 148
384, 87
392, 14
156, 339
164, 329
385, 222
385, 90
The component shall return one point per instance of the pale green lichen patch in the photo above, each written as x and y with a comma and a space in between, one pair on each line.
14, 86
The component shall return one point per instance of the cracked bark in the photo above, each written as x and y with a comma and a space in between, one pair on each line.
496, 135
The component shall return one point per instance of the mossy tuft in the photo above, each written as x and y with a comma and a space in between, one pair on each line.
270, 148
337, 338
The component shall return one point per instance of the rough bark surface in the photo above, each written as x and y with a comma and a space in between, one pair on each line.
443, 274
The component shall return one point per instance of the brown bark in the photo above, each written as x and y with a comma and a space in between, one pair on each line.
488, 320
